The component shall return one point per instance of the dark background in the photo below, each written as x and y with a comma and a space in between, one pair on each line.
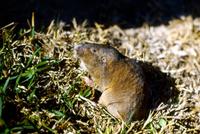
126, 13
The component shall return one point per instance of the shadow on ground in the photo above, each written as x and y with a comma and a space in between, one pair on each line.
160, 86
125, 13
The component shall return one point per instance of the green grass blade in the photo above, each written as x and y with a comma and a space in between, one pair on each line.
1, 106
5, 85
31, 58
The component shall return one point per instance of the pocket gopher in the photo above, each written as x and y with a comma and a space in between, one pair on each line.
119, 78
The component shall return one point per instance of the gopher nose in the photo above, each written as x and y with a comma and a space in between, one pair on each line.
78, 49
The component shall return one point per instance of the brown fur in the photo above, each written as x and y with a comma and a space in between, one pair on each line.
120, 79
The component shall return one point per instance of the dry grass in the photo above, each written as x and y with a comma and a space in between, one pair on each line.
42, 90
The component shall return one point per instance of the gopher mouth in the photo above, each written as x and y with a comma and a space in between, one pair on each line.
89, 82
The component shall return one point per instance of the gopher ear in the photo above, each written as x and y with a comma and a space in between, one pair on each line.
104, 60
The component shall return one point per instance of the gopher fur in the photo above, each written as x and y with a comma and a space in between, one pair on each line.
119, 78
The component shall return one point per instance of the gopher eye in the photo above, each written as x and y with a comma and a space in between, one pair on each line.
93, 50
